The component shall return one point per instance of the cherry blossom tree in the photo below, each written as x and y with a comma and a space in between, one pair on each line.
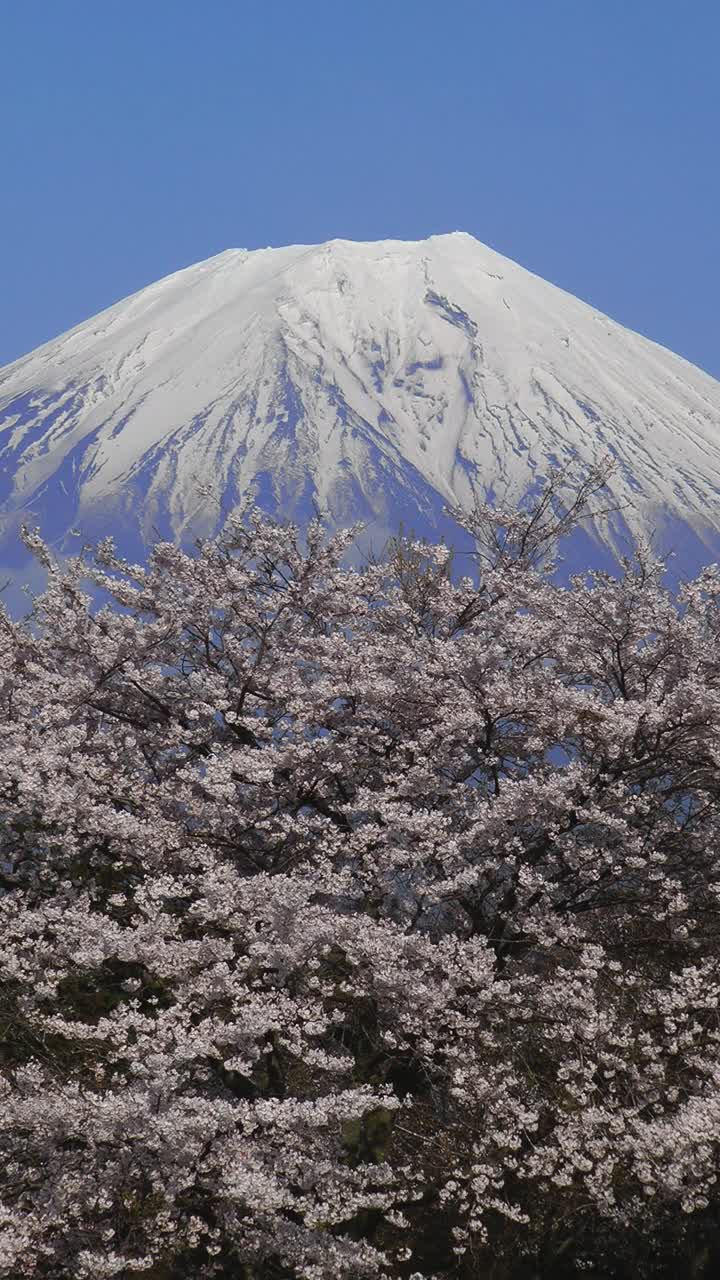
360, 922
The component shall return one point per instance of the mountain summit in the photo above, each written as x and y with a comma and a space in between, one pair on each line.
376, 381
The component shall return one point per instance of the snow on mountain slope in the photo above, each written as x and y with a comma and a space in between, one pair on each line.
379, 381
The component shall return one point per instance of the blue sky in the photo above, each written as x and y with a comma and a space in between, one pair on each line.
580, 137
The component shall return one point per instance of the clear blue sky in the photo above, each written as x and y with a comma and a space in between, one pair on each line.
580, 137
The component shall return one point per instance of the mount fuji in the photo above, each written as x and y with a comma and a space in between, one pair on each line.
378, 382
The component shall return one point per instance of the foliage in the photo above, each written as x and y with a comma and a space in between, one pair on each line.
359, 922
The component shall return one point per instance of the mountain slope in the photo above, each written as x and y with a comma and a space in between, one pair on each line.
378, 381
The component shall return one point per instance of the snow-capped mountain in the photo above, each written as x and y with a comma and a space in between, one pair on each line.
379, 381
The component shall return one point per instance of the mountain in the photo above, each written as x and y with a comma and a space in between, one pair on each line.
377, 381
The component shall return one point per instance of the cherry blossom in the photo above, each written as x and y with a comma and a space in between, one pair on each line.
360, 921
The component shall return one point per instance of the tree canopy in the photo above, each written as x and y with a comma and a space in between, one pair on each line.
359, 922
